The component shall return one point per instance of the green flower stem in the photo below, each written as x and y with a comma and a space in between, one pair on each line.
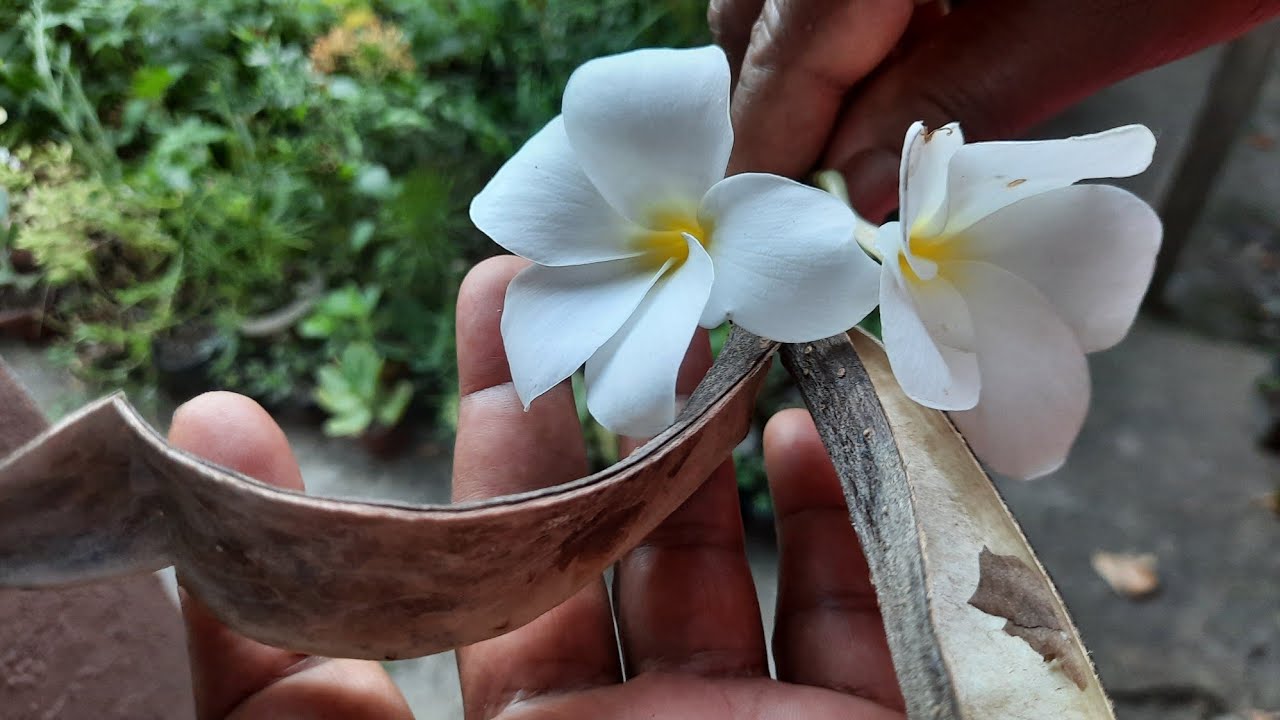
865, 232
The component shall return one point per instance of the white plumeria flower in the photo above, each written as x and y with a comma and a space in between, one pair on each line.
637, 238
1003, 273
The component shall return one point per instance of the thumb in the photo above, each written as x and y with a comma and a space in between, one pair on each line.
999, 67
800, 59
232, 675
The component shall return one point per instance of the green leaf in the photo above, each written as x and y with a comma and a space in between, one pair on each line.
374, 181
343, 88
392, 408
362, 366
152, 83
329, 378
348, 425
871, 323
317, 327
361, 234
338, 401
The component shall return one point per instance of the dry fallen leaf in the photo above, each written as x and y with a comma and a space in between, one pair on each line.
1271, 501
1261, 141
1260, 715
1133, 575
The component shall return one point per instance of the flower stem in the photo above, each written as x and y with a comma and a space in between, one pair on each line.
864, 231
833, 182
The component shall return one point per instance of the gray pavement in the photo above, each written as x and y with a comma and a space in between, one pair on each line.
1167, 464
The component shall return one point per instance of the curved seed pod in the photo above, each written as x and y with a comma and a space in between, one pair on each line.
976, 628
102, 495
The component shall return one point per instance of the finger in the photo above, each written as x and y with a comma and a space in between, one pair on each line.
828, 631
1000, 66
802, 58
684, 697
236, 677
502, 449
731, 22
685, 598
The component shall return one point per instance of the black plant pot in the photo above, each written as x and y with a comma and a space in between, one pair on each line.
184, 358
386, 443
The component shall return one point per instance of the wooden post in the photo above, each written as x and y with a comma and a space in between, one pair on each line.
1233, 92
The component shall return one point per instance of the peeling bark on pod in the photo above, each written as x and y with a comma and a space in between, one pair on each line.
102, 495
976, 628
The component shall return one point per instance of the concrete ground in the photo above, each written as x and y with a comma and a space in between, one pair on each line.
1166, 464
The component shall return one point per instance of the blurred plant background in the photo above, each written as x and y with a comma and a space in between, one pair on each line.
269, 196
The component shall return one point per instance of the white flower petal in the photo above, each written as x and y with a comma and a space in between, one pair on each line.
889, 239
541, 206
651, 127
922, 182
985, 177
1089, 249
931, 373
631, 380
787, 266
1035, 382
554, 318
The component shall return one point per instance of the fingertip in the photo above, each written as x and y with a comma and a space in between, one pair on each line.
787, 436
799, 470
322, 688
806, 55
871, 176
485, 286
482, 359
236, 432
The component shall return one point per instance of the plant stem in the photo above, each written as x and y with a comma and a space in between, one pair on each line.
864, 231
94, 149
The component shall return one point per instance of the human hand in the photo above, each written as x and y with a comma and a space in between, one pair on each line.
688, 626
836, 83
237, 678
686, 610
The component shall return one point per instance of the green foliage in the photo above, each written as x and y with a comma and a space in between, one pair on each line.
352, 391
343, 316
75, 225
104, 255
175, 165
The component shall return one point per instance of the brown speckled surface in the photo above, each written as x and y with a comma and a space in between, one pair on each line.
109, 651
103, 495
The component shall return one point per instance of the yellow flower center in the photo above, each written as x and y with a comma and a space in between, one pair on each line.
937, 249
664, 240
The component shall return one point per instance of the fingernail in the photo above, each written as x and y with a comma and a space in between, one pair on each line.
872, 178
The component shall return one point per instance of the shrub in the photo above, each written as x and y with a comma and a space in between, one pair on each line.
225, 179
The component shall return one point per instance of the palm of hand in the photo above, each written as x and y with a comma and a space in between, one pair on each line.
661, 695
684, 619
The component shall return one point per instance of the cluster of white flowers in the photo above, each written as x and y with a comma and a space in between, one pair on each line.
999, 277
